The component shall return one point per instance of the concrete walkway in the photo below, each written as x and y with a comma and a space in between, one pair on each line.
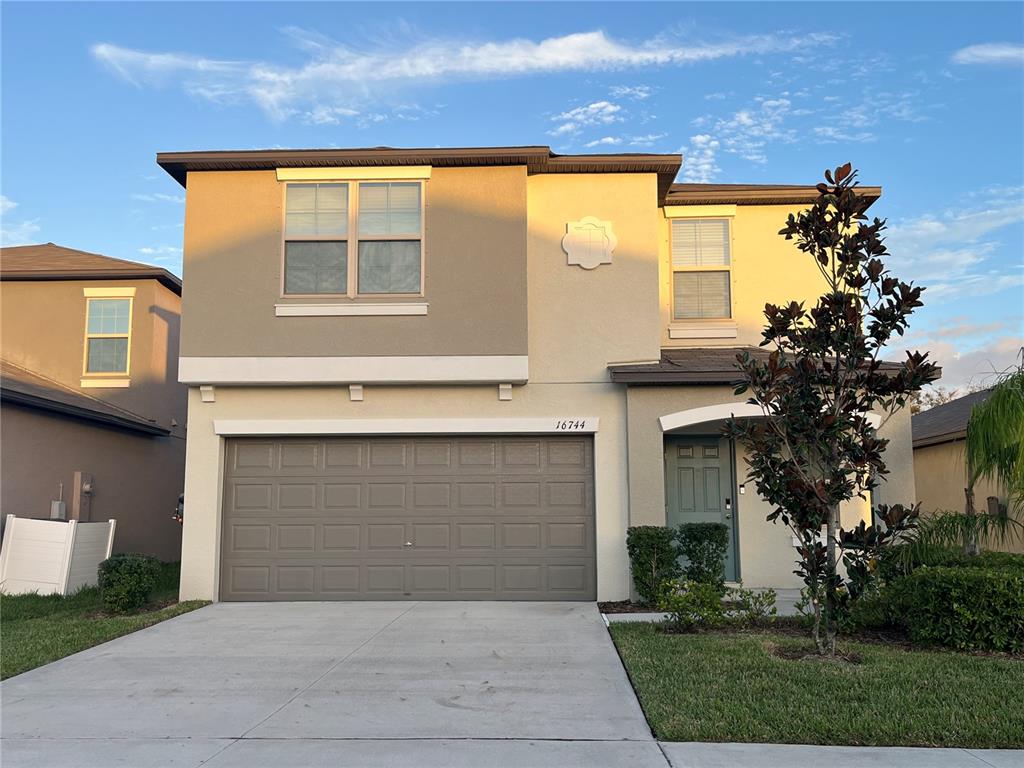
404, 685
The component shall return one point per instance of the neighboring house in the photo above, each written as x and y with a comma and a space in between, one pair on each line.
463, 373
92, 412
940, 467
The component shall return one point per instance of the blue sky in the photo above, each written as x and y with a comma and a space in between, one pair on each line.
927, 99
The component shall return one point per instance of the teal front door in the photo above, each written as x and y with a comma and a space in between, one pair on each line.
699, 488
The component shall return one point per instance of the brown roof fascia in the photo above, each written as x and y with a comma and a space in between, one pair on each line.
165, 278
948, 437
537, 159
754, 194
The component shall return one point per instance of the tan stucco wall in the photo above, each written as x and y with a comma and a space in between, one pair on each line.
765, 268
582, 320
42, 327
474, 273
941, 474
136, 478
200, 559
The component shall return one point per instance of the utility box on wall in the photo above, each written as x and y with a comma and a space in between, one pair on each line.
52, 557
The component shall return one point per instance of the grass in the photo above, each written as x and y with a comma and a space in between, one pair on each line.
733, 688
37, 629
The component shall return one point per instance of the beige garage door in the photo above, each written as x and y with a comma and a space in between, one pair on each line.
424, 518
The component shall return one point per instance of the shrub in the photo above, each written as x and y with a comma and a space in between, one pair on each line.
963, 608
690, 604
704, 546
126, 581
906, 558
750, 607
652, 558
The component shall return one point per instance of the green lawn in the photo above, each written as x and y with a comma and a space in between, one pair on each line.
730, 687
37, 629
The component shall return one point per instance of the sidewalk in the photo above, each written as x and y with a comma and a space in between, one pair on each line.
698, 755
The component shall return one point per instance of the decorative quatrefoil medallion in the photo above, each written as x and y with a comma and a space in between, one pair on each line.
589, 242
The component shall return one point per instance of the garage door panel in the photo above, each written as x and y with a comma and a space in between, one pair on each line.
409, 518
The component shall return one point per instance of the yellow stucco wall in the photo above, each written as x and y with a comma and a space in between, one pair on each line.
765, 267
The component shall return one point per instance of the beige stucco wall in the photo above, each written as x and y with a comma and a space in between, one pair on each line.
941, 474
42, 327
582, 320
136, 478
474, 272
765, 268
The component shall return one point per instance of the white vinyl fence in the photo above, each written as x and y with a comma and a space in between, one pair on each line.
52, 556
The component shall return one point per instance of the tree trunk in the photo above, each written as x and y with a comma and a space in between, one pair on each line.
830, 581
970, 535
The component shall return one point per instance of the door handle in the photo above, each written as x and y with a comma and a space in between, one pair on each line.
407, 544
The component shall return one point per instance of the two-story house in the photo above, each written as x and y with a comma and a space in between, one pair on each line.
92, 417
463, 373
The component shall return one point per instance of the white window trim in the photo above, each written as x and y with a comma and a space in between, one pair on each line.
352, 236
703, 327
348, 310
394, 173
104, 378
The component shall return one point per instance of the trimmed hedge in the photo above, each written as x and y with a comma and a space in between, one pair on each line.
894, 563
965, 608
704, 545
653, 559
127, 580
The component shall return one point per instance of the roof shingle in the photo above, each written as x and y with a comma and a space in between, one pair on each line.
47, 261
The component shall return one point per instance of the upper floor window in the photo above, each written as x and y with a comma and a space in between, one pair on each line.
353, 238
701, 269
107, 333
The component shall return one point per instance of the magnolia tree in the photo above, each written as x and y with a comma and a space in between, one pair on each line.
816, 446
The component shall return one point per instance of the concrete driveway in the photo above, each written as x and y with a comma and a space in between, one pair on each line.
339, 684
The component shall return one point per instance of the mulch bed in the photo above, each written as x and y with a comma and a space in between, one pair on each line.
625, 606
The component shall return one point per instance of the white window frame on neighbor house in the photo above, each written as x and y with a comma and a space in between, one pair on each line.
352, 238
94, 379
702, 327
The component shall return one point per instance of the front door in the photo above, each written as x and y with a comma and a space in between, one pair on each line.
699, 488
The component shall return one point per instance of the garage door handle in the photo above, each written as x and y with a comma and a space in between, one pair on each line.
407, 544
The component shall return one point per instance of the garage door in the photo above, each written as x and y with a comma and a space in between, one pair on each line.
424, 518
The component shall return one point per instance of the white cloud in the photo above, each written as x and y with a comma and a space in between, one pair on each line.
830, 134
646, 140
606, 141
158, 197
990, 53
6, 204
355, 76
954, 252
160, 250
699, 165
639, 92
717, 96
746, 133
597, 113
19, 232
965, 364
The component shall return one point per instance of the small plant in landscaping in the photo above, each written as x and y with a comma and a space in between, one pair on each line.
750, 607
704, 546
691, 604
653, 559
127, 580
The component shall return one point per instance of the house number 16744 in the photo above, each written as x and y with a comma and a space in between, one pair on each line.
570, 424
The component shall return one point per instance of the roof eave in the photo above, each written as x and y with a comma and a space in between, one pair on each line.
9, 395
162, 276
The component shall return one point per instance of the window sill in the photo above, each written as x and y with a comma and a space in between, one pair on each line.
349, 310
720, 329
105, 383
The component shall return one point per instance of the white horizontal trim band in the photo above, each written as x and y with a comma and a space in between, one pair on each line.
567, 425
698, 211
105, 383
410, 369
109, 293
702, 331
383, 173
344, 310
